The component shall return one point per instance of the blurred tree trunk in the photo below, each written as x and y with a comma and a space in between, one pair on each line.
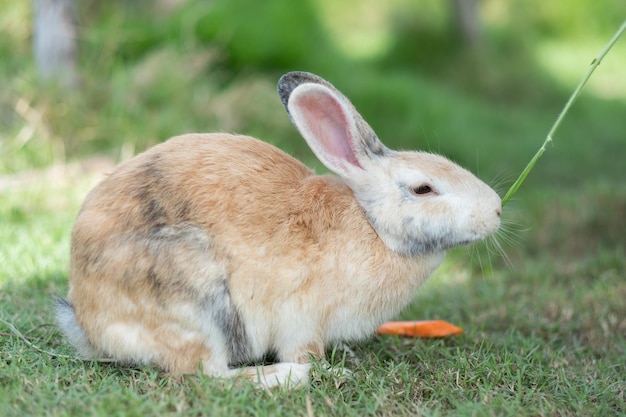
467, 24
54, 40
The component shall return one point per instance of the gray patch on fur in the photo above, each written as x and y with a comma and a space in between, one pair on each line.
228, 319
154, 212
411, 244
89, 259
213, 298
183, 211
420, 245
373, 147
74, 333
163, 245
152, 182
291, 80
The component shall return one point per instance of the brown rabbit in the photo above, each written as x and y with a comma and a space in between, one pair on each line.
214, 249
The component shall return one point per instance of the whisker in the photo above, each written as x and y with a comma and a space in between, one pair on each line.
476, 257
501, 182
508, 237
495, 247
510, 231
499, 251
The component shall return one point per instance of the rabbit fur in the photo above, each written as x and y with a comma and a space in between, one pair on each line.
210, 250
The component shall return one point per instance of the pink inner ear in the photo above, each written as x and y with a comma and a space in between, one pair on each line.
327, 121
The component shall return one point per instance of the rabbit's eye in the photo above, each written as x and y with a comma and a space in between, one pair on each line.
421, 189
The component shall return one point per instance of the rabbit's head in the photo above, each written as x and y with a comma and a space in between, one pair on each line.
417, 202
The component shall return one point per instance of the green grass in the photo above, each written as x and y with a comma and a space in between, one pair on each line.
543, 336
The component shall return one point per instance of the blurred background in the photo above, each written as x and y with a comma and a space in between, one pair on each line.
480, 81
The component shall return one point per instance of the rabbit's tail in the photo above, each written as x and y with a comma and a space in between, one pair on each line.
75, 334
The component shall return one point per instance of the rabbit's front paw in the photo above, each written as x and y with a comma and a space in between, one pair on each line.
287, 375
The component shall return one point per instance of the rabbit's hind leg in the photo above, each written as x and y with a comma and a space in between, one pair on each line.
173, 349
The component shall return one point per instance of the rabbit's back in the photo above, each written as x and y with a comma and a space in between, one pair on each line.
192, 178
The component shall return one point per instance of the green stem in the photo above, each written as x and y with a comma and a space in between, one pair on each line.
594, 64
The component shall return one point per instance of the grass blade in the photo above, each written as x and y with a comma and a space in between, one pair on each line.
594, 64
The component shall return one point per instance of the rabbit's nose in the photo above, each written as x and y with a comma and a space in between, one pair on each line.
498, 212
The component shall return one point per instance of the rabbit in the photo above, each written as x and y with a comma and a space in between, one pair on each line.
208, 251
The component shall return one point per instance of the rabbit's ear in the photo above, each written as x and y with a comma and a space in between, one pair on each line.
336, 133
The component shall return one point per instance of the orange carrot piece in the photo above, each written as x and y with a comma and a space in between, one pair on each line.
419, 328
